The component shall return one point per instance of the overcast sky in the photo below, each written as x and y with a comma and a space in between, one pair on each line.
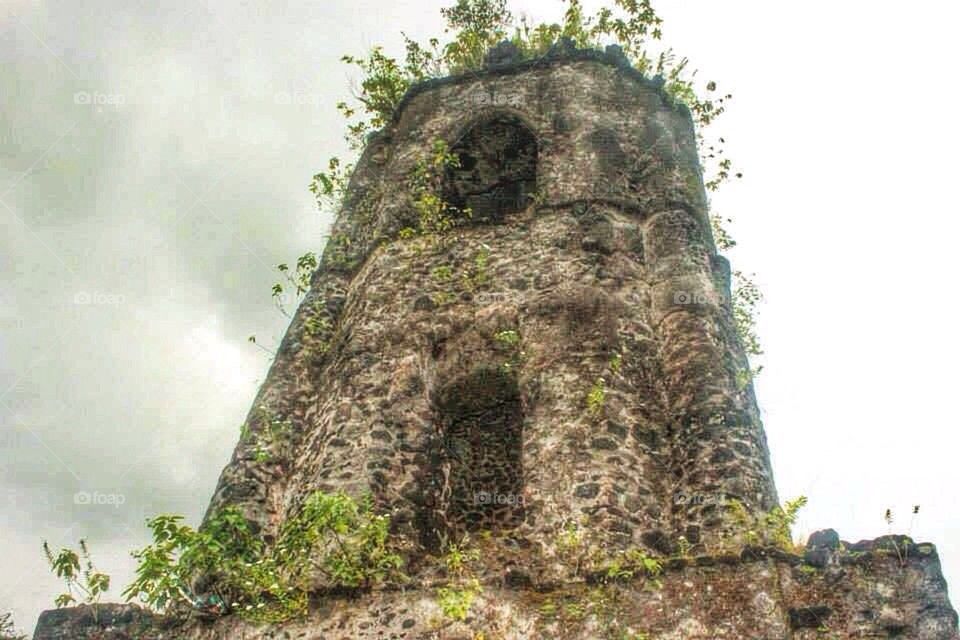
154, 163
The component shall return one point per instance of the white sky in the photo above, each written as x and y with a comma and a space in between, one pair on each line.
168, 210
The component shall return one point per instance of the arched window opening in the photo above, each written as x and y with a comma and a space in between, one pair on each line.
497, 175
479, 478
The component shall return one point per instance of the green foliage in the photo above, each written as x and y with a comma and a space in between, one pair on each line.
902, 549
457, 596
574, 610
478, 274
510, 341
746, 297
477, 25
455, 602
435, 215
330, 187
721, 236
333, 535
570, 538
7, 629
459, 557
474, 26
596, 397
269, 434
779, 520
616, 362
298, 279
225, 548
316, 324
771, 528
509, 338
78, 573
339, 537
548, 609
442, 298
443, 273
384, 83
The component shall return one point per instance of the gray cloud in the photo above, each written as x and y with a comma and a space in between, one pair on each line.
154, 159
154, 163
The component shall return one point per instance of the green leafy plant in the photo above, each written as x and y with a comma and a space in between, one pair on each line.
298, 280
225, 549
631, 563
548, 609
435, 215
457, 596
574, 547
334, 536
330, 186
477, 275
616, 363
779, 521
269, 435
770, 528
342, 539
596, 397
317, 325
78, 573
455, 602
509, 340
746, 297
508, 337
443, 273
459, 556
721, 236
574, 610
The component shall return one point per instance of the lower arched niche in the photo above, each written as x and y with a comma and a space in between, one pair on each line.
477, 469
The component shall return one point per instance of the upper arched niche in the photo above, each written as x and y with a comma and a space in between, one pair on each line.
497, 175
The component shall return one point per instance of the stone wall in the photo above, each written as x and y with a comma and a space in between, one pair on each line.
596, 249
867, 591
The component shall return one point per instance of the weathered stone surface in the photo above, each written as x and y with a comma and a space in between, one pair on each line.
100, 622
565, 355
768, 598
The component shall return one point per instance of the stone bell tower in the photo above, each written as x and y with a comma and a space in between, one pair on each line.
562, 358
589, 248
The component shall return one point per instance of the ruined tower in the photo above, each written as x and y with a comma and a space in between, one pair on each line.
565, 356
589, 223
